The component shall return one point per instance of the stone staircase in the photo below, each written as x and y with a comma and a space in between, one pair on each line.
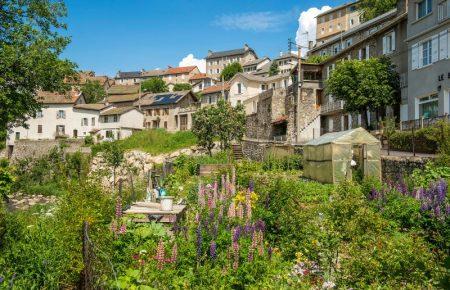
237, 152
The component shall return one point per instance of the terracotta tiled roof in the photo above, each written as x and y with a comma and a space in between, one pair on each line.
199, 76
216, 88
117, 111
94, 107
70, 97
179, 70
123, 89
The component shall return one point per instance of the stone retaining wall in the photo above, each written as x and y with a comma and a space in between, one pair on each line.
37, 148
394, 166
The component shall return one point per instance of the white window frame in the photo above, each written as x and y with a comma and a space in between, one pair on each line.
428, 8
389, 43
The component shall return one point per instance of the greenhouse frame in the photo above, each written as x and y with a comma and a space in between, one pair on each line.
328, 159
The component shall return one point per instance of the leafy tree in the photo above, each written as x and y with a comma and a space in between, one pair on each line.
93, 91
273, 70
114, 157
373, 8
317, 58
182, 87
30, 46
230, 71
222, 121
204, 127
365, 85
154, 85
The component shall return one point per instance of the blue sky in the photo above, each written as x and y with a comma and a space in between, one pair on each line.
113, 35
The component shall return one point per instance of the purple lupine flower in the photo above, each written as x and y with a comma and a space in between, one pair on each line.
236, 233
401, 187
441, 189
373, 194
211, 217
269, 252
212, 250
248, 229
215, 230
1, 279
260, 225
199, 240
437, 210
251, 186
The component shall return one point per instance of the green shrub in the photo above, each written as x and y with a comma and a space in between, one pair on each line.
289, 162
424, 142
88, 140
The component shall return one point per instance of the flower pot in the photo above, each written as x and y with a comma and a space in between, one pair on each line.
166, 203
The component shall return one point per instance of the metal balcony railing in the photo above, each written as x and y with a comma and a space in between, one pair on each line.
422, 122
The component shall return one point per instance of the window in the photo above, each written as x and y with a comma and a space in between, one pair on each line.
165, 124
39, 128
352, 22
322, 31
339, 26
263, 87
166, 112
61, 114
441, 11
424, 8
239, 86
84, 121
157, 112
429, 106
389, 43
218, 71
352, 8
115, 118
176, 121
349, 42
39, 114
109, 134
426, 53
17, 135
60, 130
93, 121
273, 85
200, 86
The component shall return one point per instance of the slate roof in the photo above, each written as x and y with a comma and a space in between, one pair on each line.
256, 61
216, 88
117, 111
179, 70
93, 107
45, 97
153, 73
159, 99
287, 55
128, 74
239, 51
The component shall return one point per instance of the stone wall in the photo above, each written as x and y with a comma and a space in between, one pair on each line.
257, 150
37, 148
394, 166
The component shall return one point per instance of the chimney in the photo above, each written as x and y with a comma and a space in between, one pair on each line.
246, 47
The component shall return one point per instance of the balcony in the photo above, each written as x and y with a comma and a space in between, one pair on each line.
332, 107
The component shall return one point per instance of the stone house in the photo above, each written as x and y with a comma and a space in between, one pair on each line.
336, 21
428, 63
179, 75
201, 81
123, 95
171, 111
216, 61
212, 94
381, 36
244, 86
255, 65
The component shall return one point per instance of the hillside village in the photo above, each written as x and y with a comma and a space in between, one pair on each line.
301, 110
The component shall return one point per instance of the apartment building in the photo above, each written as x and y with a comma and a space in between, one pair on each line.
171, 111
286, 61
216, 61
336, 21
428, 42
201, 81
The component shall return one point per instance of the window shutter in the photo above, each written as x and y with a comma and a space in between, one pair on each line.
435, 48
420, 52
393, 40
443, 45
415, 56
384, 45
360, 54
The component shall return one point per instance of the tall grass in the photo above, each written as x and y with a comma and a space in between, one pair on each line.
159, 141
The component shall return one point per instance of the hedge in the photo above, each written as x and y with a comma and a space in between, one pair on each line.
426, 140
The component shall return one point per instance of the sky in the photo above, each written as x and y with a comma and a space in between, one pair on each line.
129, 35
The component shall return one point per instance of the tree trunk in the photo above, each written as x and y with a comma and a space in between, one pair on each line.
364, 120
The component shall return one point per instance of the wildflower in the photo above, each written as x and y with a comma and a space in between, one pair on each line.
201, 196
199, 240
240, 211
197, 217
173, 258
212, 250
269, 252
118, 207
160, 254
215, 189
1, 279
232, 210
123, 229
220, 216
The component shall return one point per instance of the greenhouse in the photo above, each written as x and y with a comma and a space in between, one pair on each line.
338, 156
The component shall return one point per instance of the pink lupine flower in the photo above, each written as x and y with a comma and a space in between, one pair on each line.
114, 227
232, 210
160, 255
118, 207
240, 211
123, 229
215, 191
174, 256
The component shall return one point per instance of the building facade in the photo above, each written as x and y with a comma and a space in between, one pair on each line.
428, 42
170, 111
217, 61
179, 75
211, 95
336, 21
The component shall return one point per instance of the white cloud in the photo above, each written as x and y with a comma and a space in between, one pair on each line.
255, 21
191, 60
307, 24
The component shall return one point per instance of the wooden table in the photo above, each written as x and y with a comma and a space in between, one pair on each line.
153, 212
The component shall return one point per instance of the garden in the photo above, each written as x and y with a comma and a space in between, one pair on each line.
256, 225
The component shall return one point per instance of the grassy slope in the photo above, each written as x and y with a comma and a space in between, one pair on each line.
159, 141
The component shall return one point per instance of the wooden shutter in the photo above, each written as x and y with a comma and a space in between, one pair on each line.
443, 45
415, 56
435, 49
